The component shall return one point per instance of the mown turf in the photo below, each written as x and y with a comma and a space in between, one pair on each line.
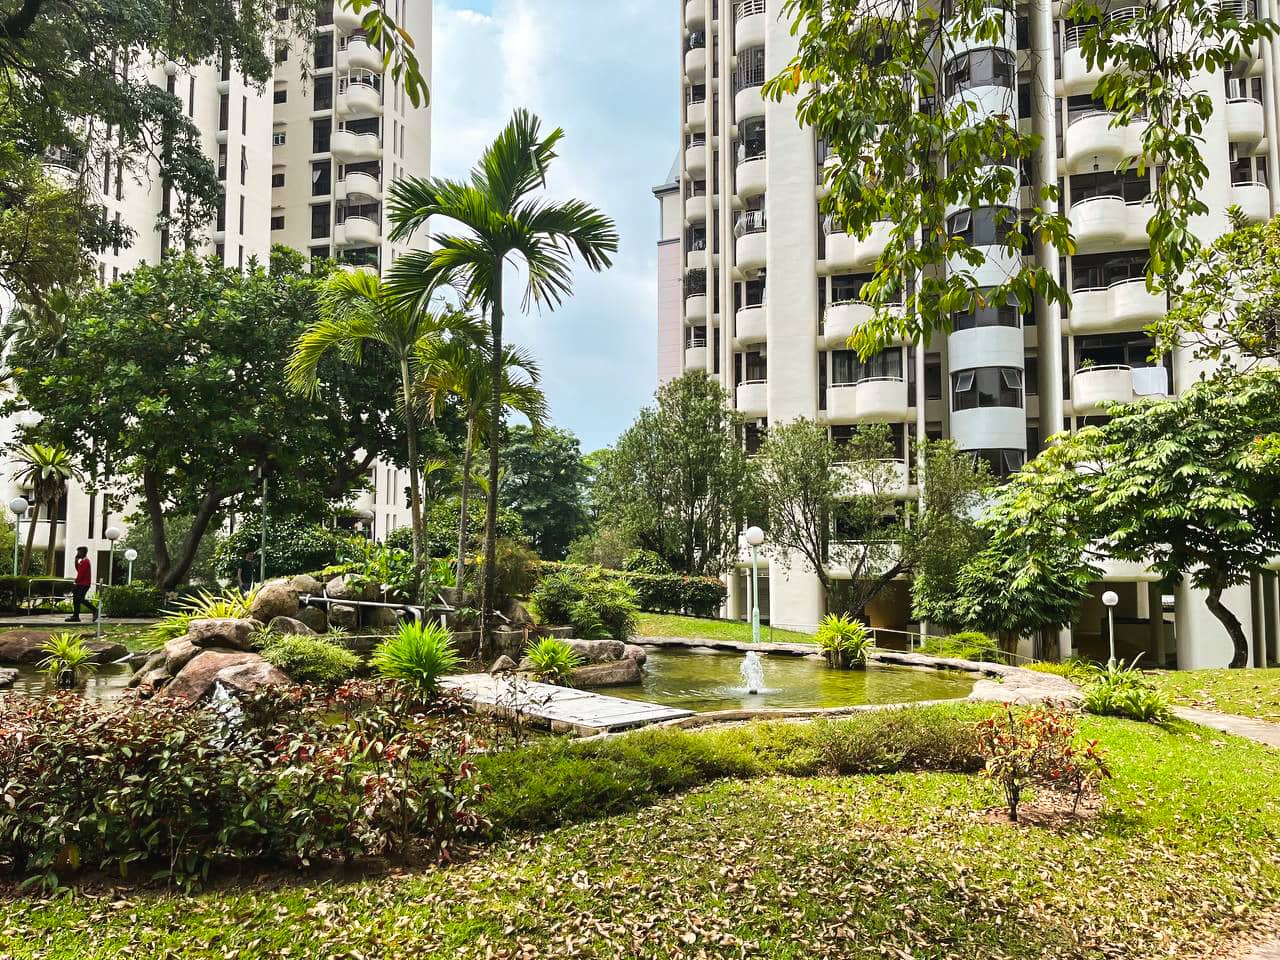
698, 628
1246, 693
902, 865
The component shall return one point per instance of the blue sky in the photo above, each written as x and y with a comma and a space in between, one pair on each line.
605, 71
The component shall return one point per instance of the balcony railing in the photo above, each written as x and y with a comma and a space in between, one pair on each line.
752, 221
747, 8
1074, 31
697, 41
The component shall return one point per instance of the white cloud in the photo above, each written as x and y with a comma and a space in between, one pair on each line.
606, 73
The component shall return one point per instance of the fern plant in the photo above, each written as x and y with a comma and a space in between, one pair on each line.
68, 659
419, 655
553, 661
234, 604
845, 642
1122, 690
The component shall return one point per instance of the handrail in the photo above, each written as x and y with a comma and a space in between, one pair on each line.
1111, 286
1086, 114
1107, 367
695, 343
1071, 35
752, 383
747, 8
750, 221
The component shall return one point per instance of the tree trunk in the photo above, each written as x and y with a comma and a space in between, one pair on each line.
199, 525
51, 548
415, 488
32, 520
155, 512
1232, 623
495, 438
465, 498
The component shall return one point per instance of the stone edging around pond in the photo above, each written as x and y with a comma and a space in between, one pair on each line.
995, 682
7, 678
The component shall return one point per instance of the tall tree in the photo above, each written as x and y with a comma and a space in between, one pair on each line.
460, 369
45, 469
545, 483
503, 220
679, 481
357, 311
171, 385
831, 506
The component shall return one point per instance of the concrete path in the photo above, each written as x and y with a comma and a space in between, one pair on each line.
1259, 731
1267, 951
58, 621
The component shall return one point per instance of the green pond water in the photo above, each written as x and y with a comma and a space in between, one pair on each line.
704, 680
106, 683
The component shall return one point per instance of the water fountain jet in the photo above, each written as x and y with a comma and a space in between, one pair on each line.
753, 672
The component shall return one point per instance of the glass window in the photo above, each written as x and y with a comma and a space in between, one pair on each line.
847, 287
323, 99
987, 387
987, 314
751, 141
980, 68
847, 368
984, 227
1100, 270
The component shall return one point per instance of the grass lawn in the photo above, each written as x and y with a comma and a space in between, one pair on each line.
1248, 693
697, 628
1185, 854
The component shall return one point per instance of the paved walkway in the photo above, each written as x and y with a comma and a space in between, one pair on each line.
59, 621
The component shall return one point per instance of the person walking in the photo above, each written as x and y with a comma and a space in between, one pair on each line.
248, 571
80, 591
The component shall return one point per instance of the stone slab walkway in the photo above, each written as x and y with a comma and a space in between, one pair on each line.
1259, 731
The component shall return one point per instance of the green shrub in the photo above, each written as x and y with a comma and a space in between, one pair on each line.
68, 659
586, 622
420, 654
646, 561
1074, 669
1121, 690
660, 593
553, 661
131, 600
293, 546
892, 740
844, 641
15, 590
969, 645
516, 569
588, 600
310, 659
440, 528
553, 598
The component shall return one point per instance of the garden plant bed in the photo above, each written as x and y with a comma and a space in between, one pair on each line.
1181, 860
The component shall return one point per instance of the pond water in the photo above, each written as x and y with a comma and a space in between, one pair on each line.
106, 683
704, 680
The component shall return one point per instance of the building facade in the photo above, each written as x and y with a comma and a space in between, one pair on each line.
771, 290
671, 335
304, 162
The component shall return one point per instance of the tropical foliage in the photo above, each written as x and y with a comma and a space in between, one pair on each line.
553, 661
68, 659
845, 642
419, 655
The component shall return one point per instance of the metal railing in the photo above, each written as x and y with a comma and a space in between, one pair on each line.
752, 221
747, 8
1074, 31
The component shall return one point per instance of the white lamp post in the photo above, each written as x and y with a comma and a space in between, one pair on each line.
1109, 600
19, 507
113, 534
131, 555
754, 537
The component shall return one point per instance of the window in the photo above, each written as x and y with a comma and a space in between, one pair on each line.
242, 216
282, 53
319, 253
986, 226
320, 133
323, 50
752, 293
988, 314
1031, 373
847, 369
244, 116
319, 221
244, 164
980, 68
755, 367
323, 99
847, 287
1001, 463
1129, 185
278, 138
320, 178
933, 377
1100, 270
277, 178
277, 221
281, 95
750, 72
222, 161
751, 141
986, 387
224, 112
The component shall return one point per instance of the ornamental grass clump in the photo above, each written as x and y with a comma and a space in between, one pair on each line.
553, 661
1122, 690
419, 655
68, 659
233, 604
845, 642
1039, 747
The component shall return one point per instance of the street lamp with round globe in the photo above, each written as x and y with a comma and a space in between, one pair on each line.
754, 537
19, 508
131, 555
113, 534
1109, 600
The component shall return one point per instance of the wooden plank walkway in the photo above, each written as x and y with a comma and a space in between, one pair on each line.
563, 709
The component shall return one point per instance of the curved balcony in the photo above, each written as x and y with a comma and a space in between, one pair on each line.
963, 44
1094, 387
898, 480
749, 25
874, 400
1077, 78
346, 20
695, 159
1124, 306
984, 103
348, 147
846, 252
360, 99
695, 308
999, 265
841, 319
752, 244
750, 325
358, 232
695, 14
696, 259
695, 209
986, 347
358, 185
870, 558
1102, 223
1091, 143
696, 115
695, 355
748, 103
361, 56
753, 398
695, 64
990, 428
1245, 122
752, 177
1254, 199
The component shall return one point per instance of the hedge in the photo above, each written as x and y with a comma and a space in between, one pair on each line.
657, 593
14, 590
131, 600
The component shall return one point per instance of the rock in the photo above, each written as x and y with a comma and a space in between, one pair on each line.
155, 662
304, 584
22, 648
380, 617
518, 614
275, 598
106, 652
314, 618
247, 678
225, 633
151, 681
290, 627
612, 674
502, 665
345, 588
598, 651
196, 680
636, 653
343, 616
7, 678
177, 653
509, 641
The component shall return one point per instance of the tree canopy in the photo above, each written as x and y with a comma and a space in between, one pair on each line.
545, 483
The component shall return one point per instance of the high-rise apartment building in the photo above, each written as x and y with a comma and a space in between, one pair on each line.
671, 337
304, 162
771, 289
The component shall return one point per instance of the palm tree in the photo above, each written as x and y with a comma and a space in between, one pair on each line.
461, 371
356, 311
502, 222
46, 469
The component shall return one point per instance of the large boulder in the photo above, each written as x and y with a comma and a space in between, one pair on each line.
225, 634
149, 682
502, 665
598, 651
304, 585
251, 676
343, 616
346, 587
22, 648
518, 614
611, 674
104, 651
196, 680
288, 626
636, 653
177, 653
275, 598
314, 618
380, 617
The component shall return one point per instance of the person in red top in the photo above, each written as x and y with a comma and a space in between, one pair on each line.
80, 592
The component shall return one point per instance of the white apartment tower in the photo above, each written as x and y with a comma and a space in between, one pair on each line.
771, 291
304, 162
